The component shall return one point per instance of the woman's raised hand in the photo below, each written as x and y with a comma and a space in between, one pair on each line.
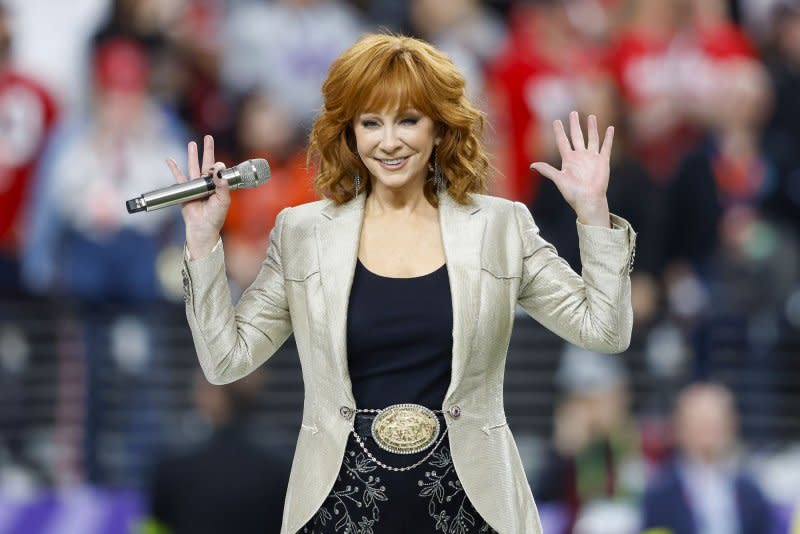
583, 178
203, 217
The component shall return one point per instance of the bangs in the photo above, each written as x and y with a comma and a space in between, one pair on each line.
398, 86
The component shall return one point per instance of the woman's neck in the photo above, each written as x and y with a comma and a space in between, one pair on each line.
408, 200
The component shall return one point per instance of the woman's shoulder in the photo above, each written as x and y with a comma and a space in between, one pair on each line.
494, 206
306, 213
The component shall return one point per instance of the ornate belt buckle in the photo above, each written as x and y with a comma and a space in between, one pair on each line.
405, 428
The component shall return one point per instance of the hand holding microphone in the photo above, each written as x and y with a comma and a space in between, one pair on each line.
205, 195
248, 174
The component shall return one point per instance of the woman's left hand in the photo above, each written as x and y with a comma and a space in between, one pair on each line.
583, 178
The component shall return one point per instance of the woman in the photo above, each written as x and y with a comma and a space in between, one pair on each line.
400, 288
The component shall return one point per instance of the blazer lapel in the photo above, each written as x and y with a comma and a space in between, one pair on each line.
462, 236
337, 244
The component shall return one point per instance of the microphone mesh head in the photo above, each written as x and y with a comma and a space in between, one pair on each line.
253, 172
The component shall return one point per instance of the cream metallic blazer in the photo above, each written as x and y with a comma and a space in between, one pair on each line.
496, 260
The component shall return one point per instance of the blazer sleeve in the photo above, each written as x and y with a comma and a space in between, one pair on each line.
591, 310
233, 341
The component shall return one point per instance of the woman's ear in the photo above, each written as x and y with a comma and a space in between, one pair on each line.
441, 129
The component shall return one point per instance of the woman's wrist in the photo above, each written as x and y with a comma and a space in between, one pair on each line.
595, 214
202, 247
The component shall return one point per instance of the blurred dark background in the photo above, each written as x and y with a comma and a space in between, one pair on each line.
104, 423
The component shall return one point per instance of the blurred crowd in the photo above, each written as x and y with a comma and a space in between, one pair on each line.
705, 98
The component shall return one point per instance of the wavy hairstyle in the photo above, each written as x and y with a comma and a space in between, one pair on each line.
383, 72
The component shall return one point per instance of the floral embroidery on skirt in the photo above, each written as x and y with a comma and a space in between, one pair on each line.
368, 499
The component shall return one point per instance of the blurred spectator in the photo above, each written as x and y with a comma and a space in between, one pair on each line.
284, 48
263, 130
196, 37
61, 61
727, 262
143, 21
783, 129
595, 455
666, 63
728, 172
531, 82
27, 115
226, 483
182, 40
83, 244
465, 30
703, 490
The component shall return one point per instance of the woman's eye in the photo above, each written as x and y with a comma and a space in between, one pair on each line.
369, 123
411, 121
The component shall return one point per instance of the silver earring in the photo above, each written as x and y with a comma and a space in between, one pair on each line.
438, 179
356, 183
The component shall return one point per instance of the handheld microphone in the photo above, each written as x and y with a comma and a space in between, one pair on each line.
250, 173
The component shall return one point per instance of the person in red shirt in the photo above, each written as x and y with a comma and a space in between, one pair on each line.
666, 63
529, 84
27, 114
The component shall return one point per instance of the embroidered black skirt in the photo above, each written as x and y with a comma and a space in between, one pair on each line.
369, 499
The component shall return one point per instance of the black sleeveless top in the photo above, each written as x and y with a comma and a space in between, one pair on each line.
399, 338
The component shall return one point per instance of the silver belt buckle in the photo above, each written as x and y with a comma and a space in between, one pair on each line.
405, 428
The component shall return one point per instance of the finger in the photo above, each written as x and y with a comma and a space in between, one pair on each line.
176, 171
194, 161
546, 169
221, 191
208, 153
564, 148
575, 131
216, 168
594, 138
608, 140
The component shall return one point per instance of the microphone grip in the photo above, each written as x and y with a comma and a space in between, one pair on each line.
171, 195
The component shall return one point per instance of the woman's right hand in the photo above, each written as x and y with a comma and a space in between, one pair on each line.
203, 217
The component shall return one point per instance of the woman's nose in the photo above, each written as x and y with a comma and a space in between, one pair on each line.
389, 139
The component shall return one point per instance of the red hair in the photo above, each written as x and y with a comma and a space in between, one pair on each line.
381, 72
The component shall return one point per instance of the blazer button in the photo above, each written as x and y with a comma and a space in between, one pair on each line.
346, 412
454, 411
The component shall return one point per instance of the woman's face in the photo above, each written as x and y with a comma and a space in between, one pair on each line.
395, 146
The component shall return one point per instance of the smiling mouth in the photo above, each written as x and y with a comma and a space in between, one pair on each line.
394, 163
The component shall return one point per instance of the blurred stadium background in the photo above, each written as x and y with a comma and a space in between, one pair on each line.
98, 380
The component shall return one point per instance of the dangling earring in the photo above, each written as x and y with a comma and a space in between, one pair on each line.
438, 179
356, 183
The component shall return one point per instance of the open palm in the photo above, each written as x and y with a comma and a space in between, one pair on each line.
583, 177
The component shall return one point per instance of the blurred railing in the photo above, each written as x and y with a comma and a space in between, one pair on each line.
133, 368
